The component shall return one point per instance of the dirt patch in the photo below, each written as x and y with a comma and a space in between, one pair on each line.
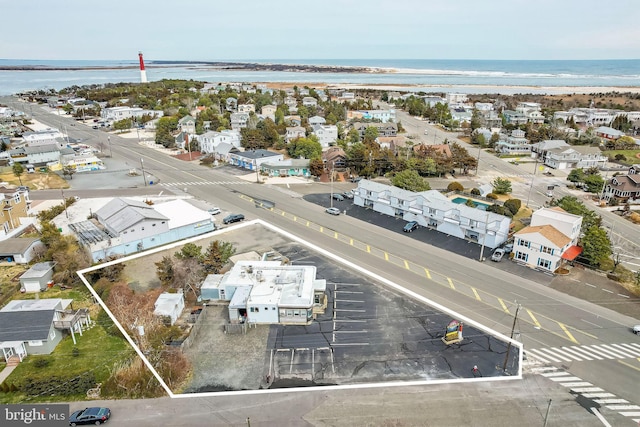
35, 181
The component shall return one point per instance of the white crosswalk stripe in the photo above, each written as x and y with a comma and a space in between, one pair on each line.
588, 390
580, 353
193, 183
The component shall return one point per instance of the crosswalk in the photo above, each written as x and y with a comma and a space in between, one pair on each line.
584, 353
192, 183
589, 391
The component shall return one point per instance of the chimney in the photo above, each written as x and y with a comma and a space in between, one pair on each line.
143, 72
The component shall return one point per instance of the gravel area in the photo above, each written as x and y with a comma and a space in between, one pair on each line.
225, 361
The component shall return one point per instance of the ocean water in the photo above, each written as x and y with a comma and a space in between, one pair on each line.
471, 76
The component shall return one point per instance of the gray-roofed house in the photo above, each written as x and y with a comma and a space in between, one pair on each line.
169, 305
37, 277
20, 250
36, 326
434, 210
578, 156
132, 218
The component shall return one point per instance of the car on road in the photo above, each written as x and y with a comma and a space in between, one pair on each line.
338, 197
347, 195
636, 329
214, 211
86, 416
410, 226
233, 218
497, 255
332, 211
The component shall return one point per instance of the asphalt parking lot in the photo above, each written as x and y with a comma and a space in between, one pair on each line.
370, 333
462, 247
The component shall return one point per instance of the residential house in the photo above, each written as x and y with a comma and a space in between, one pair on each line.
327, 134
294, 132
347, 96
293, 120
43, 137
336, 157
15, 205
37, 326
269, 112
608, 133
513, 117
40, 155
309, 101
231, 104
551, 238
268, 292
430, 100
126, 226
169, 305
121, 113
252, 159
515, 144
541, 150
624, 188
21, 250
239, 120
317, 120
286, 167
187, 124
290, 102
532, 111
246, 108
396, 143
303, 91
209, 141
578, 156
384, 129
38, 277
434, 210
456, 98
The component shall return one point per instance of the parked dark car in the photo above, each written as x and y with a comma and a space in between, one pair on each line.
338, 196
233, 218
410, 226
87, 416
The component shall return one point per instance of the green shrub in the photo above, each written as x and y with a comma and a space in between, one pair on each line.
492, 196
475, 191
75, 352
58, 385
455, 186
513, 205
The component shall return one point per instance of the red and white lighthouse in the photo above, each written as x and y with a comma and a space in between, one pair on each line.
143, 72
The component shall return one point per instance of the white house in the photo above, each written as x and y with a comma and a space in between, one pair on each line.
432, 209
309, 101
169, 305
551, 237
210, 141
266, 292
246, 108
120, 113
294, 132
269, 112
43, 137
316, 120
187, 124
578, 156
516, 143
327, 134
239, 120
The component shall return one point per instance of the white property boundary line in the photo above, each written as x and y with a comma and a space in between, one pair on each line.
327, 254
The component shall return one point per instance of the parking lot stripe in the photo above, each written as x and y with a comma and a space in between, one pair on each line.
533, 318
349, 292
475, 292
349, 309
349, 344
349, 300
451, 283
364, 331
349, 321
504, 306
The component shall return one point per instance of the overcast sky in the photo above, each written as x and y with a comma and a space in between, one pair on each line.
321, 29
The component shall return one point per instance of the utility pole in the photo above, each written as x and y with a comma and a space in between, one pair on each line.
484, 237
535, 168
506, 358
255, 164
332, 166
144, 177
64, 203
546, 416
109, 142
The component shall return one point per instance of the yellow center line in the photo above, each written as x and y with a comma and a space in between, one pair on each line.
566, 331
535, 321
335, 234
630, 366
504, 306
295, 218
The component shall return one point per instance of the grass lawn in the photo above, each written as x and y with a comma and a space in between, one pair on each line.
630, 155
8, 286
98, 353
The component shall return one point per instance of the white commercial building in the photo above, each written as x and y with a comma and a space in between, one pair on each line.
265, 292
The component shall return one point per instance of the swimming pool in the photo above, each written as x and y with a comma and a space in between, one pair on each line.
477, 204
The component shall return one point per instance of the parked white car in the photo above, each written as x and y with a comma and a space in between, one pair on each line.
497, 255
